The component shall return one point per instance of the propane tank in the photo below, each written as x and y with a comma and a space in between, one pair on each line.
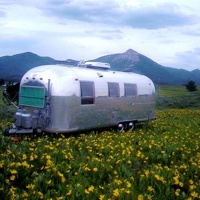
18, 118
26, 119
35, 119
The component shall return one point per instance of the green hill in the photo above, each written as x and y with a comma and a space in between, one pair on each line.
12, 68
135, 62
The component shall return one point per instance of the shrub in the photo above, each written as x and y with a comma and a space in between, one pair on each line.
191, 86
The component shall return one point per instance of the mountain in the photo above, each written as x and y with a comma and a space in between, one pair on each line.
138, 63
12, 68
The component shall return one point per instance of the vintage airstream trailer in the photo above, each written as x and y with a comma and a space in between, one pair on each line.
62, 98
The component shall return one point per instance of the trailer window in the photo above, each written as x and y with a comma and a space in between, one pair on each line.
32, 96
130, 90
87, 92
113, 89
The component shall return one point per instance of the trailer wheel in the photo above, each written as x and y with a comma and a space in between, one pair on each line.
131, 126
120, 127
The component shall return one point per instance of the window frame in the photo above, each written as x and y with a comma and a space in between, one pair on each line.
127, 90
32, 96
88, 99
113, 89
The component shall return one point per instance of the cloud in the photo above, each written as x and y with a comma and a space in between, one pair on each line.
101, 12
2, 14
160, 16
105, 33
189, 60
192, 31
71, 28
113, 13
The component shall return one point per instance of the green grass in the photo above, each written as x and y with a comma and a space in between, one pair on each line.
6, 111
165, 90
1, 96
158, 161
176, 97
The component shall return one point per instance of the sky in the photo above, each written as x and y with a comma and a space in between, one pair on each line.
166, 31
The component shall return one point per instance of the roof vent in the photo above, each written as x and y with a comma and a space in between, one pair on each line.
96, 65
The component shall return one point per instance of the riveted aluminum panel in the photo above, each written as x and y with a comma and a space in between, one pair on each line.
68, 114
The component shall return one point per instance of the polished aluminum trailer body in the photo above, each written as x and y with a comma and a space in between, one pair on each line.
61, 98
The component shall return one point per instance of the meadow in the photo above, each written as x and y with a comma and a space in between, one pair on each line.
157, 160
176, 97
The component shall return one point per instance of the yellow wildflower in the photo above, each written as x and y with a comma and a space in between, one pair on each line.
128, 184
140, 197
149, 197
1, 164
194, 194
115, 172
129, 162
24, 157
62, 179
25, 195
87, 192
192, 187
95, 169
87, 169
118, 182
69, 193
59, 198
116, 193
7, 181
12, 178
91, 188
177, 192
150, 189
181, 184
101, 197
25, 164
13, 171
30, 186
9, 151
78, 184
40, 195
146, 173
31, 157
176, 181
100, 187
191, 182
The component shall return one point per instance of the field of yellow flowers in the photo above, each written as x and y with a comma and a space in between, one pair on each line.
159, 160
